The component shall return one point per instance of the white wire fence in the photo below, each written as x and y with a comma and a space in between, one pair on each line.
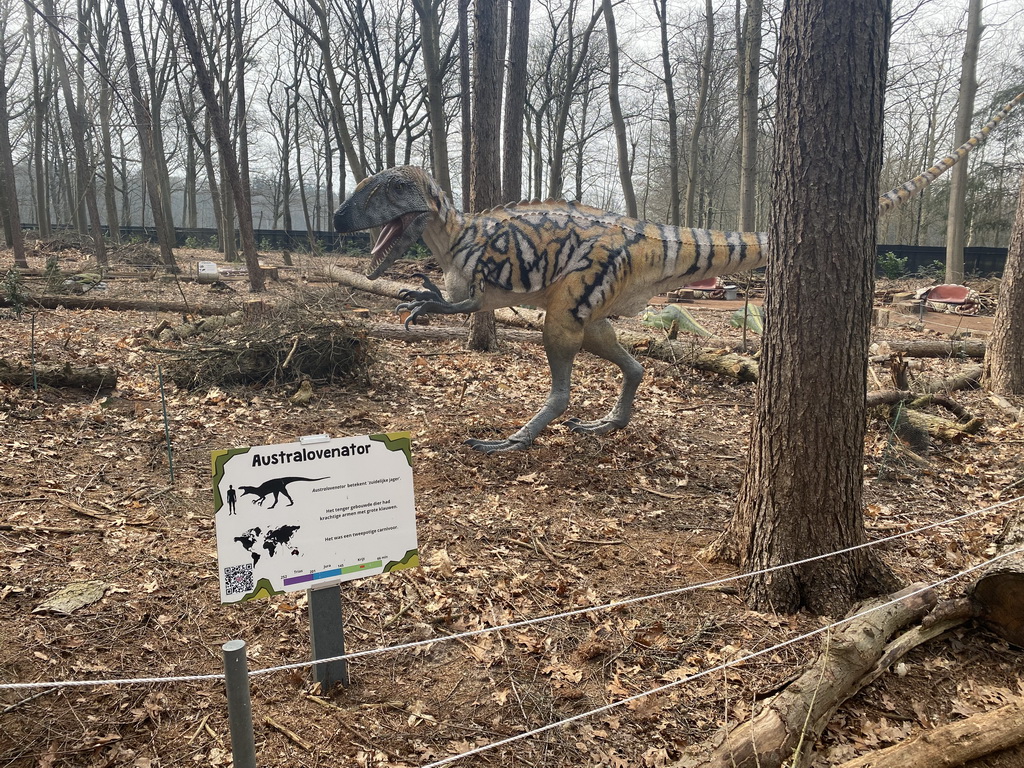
58, 684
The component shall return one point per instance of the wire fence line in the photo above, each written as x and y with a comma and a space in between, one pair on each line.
720, 667
525, 622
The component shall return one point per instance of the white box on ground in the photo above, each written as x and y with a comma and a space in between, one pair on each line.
297, 516
207, 272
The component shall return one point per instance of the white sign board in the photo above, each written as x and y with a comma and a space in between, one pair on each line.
206, 272
308, 515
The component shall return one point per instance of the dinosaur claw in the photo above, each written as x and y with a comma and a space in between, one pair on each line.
497, 446
596, 427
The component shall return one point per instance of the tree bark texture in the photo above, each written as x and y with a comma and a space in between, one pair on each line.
661, 9
801, 493
84, 176
704, 85
430, 31
490, 19
144, 126
1004, 362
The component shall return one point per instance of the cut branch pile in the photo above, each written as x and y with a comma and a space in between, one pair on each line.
274, 351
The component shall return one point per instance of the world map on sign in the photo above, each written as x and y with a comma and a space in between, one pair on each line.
270, 541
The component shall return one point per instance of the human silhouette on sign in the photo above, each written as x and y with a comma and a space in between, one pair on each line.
232, 496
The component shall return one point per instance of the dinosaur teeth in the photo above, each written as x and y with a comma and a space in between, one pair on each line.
388, 234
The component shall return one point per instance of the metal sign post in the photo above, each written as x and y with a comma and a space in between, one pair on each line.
327, 632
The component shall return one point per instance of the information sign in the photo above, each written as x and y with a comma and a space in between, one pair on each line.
307, 515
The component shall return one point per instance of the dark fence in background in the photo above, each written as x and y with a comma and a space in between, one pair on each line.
983, 261
980, 260
266, 239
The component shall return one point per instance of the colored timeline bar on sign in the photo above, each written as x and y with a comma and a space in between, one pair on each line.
332, 573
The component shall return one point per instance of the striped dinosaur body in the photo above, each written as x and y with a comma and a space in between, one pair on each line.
581, 264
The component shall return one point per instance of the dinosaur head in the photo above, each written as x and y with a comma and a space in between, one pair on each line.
401, 201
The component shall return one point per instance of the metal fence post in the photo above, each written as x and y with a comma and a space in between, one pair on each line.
236, 679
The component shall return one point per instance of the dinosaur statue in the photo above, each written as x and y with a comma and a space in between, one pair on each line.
581, 264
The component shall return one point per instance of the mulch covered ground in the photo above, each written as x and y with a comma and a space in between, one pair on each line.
86, 495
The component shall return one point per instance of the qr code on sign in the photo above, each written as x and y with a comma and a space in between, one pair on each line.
238, 578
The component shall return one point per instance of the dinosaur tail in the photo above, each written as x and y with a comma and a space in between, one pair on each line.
901, 194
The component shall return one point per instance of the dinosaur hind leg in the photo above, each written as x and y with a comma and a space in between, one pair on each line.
562, 342
600, 339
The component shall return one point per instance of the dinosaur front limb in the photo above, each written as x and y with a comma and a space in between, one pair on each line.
431, 302
561, 348
599, 338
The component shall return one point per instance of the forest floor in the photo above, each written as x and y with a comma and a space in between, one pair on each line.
577, 521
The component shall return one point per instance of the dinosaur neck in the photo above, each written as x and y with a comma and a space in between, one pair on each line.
442, 230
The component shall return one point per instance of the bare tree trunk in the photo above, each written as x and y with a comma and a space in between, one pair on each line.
490, 19
958, 174
515, 101
102, 29
430, 31
621, 139
566, 101
465, 100
802, 489
1004, 361
750, 72
39, 106
661, 9
85, 180
143, 125
693, 156
223, 136
7, 177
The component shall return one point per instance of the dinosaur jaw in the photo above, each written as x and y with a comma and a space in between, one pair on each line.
395, 238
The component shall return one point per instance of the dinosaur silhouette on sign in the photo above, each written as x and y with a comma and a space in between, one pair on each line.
277, 486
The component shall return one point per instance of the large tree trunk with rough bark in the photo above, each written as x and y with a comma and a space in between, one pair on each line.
1004, 362
802, 490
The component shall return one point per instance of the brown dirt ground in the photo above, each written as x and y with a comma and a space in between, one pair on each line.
576, 521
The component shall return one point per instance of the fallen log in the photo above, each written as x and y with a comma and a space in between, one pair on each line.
953, 744
98, 301
89, 377
785, 728
969, 378
933, 348
729, 364
380, 287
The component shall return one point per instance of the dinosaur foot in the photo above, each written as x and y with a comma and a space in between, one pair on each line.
596, 427
497, 446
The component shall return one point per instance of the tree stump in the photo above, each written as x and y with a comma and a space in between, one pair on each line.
998, 594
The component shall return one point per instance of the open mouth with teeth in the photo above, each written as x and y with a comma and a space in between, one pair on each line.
395, 238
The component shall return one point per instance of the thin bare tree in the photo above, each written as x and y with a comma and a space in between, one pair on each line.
222, 133
958, 174
622, 153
